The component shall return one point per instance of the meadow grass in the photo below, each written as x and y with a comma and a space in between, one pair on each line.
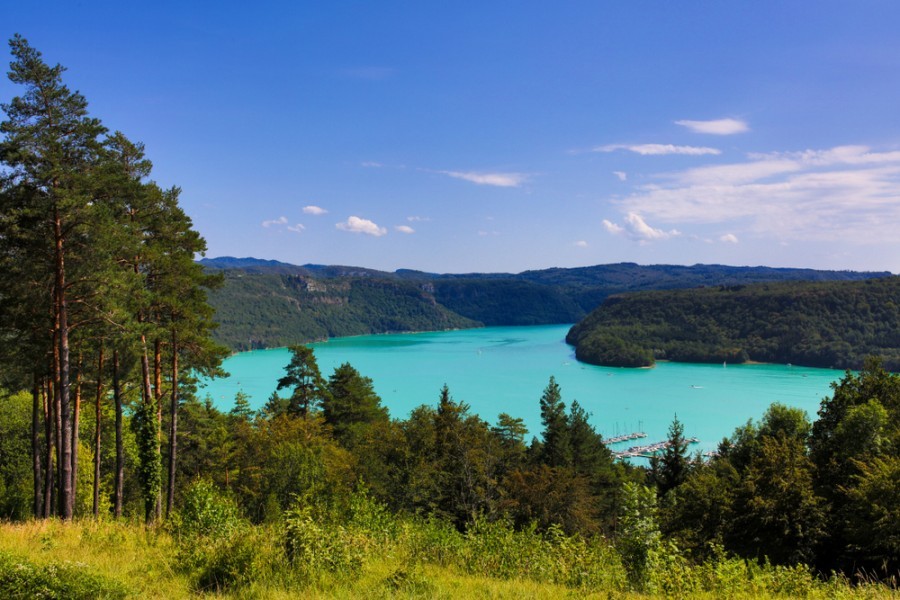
418, 559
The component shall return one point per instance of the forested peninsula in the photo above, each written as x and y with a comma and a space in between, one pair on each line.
267, 303
817, 324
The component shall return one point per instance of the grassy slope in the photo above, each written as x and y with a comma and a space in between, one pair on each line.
144, 561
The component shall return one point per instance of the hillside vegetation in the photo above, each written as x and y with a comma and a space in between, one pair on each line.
266, 303
259, 310
817, 324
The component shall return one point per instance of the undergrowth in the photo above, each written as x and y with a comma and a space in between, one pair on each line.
366, 552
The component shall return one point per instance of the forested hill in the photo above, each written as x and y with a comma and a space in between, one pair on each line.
266, 303
818, 324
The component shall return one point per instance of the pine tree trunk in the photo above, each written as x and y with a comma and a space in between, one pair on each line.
120, 445
149, 413
37, 505
96, 504
157, 390
57, 433
64, 418
49, 478
76, 421
173, 428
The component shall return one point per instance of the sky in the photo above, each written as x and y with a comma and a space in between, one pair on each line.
504, 136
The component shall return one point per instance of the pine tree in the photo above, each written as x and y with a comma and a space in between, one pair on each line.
351, 401
50, 149
557, 448
670, 469
304, 377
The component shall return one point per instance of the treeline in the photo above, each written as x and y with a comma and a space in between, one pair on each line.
822, 324
266, 303
102, 307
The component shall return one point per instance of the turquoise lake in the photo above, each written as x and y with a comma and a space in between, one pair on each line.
505, 369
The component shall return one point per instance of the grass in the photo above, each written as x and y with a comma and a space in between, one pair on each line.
415, 561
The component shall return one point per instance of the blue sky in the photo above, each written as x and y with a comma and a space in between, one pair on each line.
505, 136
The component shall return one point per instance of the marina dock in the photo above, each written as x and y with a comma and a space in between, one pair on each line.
647, 451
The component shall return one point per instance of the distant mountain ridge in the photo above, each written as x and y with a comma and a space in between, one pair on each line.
268, 303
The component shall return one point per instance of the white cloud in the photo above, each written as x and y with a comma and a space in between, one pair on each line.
612, 227
357, 225
371, 164
283, 222
659, 149
622, 175
715, 127
314, 210
495, 179
417, 219
581, 244
404, 229
637, 229
729, 238
842, 194
278, 221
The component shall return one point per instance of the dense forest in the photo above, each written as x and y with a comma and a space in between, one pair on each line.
105, 324
271, 310
817, 324
265, 303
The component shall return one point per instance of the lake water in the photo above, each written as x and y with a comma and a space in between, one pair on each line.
505, 369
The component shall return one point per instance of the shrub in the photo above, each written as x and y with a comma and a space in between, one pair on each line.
23, 579
217, 546
205, 511
316, 550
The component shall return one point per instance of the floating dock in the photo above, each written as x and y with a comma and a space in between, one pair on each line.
647, 451
625, 437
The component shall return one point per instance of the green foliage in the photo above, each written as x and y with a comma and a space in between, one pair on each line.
776, 512
305, 380
146, 430
495, 549
314, 549
873, 528
204, 512
507, 301
825, 324
548, 496
15, 453
289, 457
259, 310
351, 403
855, 445
21, 579
669, 469
639, 540
216, 546
557, 449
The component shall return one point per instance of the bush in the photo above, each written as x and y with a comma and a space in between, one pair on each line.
230, 563
205, 511
316, 550
216, 545
23, 579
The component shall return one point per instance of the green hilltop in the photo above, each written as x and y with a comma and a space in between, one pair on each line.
818, 324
